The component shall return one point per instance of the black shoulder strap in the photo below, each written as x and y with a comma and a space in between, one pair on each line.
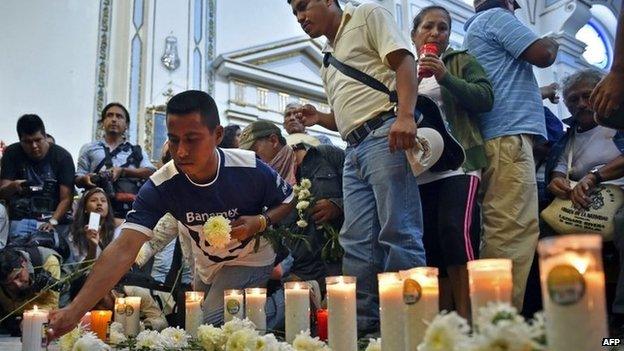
135, 157
359, 76
107, 161
36, 259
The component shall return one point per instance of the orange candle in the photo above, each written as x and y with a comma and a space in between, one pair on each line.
99, 323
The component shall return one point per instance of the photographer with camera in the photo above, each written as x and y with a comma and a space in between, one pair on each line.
26, 273
36, 179
114, 164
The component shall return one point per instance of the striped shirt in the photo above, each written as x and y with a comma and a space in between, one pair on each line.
497, 39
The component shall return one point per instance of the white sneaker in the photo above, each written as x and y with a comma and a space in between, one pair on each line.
315, 294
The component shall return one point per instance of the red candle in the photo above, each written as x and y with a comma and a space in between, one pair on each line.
428, 49
321, 324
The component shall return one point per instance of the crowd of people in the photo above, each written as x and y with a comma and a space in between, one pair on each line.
371, 211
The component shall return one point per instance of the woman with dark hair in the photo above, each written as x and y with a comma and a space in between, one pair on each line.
231, 137
458, 83
87, 244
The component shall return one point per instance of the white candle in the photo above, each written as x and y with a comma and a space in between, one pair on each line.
420, 293
193, 317
255, 299
490, 281
120, 311
341, 306
133, 308
297, 296
33, 329
391, 311
233, 304
573, 290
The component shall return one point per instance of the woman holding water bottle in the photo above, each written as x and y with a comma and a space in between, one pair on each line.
94, 226
458, 83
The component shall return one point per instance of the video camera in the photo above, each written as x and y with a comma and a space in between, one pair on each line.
104, 180
38, 198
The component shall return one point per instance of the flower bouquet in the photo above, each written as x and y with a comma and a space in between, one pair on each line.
235, 335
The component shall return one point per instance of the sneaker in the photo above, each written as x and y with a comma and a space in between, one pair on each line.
315, 295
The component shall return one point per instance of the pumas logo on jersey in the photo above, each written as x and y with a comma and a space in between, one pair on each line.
282, 185
192, 217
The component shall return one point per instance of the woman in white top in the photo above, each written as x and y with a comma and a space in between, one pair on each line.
460, 86
87, 244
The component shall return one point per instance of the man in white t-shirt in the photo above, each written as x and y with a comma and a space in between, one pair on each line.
202, 181
596, 151
597, 157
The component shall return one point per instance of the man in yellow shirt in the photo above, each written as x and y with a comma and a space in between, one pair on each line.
382, 229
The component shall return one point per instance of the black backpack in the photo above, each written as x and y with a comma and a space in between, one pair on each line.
31, 241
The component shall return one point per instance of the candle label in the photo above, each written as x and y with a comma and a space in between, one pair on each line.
120, 308
44, 335
232, 306
566, 285
129, 310
412, 291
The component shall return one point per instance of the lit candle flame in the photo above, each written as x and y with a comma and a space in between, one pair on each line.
35, 308
580, 263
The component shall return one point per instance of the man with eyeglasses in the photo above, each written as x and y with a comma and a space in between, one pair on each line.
36, 180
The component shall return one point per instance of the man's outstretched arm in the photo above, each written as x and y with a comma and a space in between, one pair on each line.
608, 95
114, 262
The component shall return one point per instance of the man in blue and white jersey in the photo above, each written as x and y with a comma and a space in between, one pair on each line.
201, 181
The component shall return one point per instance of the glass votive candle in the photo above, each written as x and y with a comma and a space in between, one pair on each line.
233, 304
573, 291
490, 280
421, 295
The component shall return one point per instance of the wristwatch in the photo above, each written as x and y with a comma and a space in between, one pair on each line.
596, 173
53, 221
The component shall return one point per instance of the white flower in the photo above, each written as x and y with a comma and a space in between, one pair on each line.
90, 342
305, 183
495, 312
374, 345
217, 230
149, 339
174, 338
296, 189
67, 341
116, 337
116, 326
302, 223
302, 205
235, 325
269, 342
304, 342
211, 338
242, 340
538, 329
303, 194
447, 332
505, 335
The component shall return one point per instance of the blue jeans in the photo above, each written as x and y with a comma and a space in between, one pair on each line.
230, 277
23, 227
382, 230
